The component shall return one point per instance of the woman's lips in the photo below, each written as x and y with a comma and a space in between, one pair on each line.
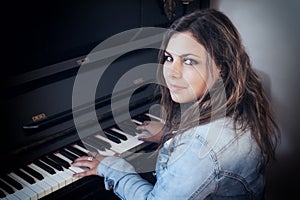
174, 87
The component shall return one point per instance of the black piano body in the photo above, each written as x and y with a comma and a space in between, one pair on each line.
37, 121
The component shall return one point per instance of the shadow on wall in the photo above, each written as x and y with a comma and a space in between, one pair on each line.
270, 34
266, 82
282, 180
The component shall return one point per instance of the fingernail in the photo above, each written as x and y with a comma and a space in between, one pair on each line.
140, 138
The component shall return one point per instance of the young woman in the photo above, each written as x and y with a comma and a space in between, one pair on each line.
219, 132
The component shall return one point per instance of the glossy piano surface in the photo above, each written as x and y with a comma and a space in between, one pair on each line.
38, 153
52, 172
38, 137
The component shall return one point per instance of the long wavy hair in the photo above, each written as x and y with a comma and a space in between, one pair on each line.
238, 92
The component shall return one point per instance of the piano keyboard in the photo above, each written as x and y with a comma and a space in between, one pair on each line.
53, 171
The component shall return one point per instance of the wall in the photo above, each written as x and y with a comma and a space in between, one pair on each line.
271, 34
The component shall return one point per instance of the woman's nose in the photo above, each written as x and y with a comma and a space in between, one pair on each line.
176, 69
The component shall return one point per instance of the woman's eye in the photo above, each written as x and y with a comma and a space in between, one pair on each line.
190, 62
168, 58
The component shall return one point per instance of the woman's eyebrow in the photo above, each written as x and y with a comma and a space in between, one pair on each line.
183, 55
166, 52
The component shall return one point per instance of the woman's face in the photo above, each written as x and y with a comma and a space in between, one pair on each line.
185, 68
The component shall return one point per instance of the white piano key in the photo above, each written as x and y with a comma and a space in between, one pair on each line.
65, 176
80, 148
12, 197
137, 122
72, 168
21, 195
48, 179
2, 192
18, 193
58, 176
154, 117
45, 183
70, 175
58, 182
36, 187
124, 146
68, 171
107, 152
63, 157
76, 169
124, 133
32, 195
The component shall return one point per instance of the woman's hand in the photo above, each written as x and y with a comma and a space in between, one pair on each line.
154, 129
91, 162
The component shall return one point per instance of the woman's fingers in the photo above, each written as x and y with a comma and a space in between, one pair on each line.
153, 128
152, 138
90, 162
143, 126
81, 158
86, 173
145, 138
85, 163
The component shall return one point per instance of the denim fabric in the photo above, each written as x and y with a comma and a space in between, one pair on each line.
211, 161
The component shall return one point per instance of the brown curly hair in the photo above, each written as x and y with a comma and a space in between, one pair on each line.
245, 99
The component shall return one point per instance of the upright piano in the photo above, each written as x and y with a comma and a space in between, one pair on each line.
46, 45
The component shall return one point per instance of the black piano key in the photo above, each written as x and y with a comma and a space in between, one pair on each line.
33, 172
116, 134
60, 161
128, 127
112, 138
69, 155
2, 194
44, 167
142, 118
97, 143
81, 144
6, 187
91, 148
106, 145
12, 182
52, 163
76, 151
24, 176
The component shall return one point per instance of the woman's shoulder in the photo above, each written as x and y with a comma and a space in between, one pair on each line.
219, 135
213, 130
225, 138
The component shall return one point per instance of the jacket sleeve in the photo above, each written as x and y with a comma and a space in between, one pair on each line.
121, 176
184, 175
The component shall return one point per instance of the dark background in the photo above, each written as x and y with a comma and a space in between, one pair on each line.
36, 34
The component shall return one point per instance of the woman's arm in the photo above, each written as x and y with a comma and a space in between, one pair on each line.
182, 174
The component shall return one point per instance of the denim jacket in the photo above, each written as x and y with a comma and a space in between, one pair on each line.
211, 161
